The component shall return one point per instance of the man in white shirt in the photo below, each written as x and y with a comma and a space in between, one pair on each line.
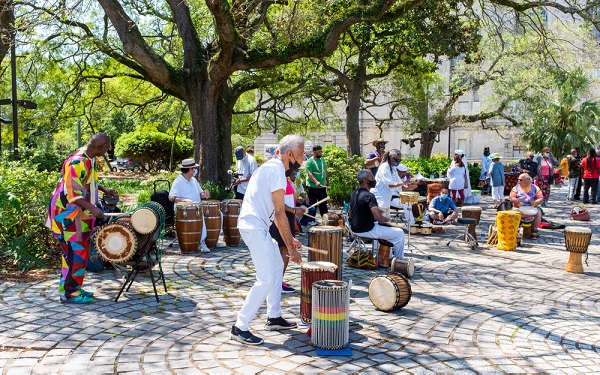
263, 204
245, 165
187, 189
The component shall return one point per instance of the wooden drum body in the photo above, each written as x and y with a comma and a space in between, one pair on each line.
311, 272
328, 238
188, 225
418, 209
472, 212
383, 253
403, 266
212, 219
330, 324
507, 225
577, 241
409, 197
231, 211
334, 220
389, 292
528, 215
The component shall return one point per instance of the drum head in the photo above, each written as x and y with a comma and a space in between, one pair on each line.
325, 229
410, 266
115, 242
528, 210
319, 266
578, 230
382, 293
144, 220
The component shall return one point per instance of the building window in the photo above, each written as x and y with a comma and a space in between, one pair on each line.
518, 152
544, 16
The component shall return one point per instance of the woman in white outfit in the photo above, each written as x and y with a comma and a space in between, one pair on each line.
388, 181
457, 175
408, 184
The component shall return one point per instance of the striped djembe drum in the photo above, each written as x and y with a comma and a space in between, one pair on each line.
330, 324
507, 224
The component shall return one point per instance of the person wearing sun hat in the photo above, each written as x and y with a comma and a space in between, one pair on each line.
373, 159
496, 172
187, 189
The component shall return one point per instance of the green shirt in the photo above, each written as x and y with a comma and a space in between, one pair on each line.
318, 168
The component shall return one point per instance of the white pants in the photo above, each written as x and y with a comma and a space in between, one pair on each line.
269, 275
394, 235
407, 211
498, 193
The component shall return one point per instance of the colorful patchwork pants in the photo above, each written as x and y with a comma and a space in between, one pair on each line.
74, 260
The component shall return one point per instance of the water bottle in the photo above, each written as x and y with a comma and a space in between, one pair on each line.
483, 237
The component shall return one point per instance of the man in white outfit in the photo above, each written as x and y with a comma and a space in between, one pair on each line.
187, 189
263, 204
368, 220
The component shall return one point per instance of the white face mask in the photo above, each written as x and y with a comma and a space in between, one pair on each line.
195, 172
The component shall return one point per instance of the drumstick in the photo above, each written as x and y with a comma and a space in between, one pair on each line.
319, 202
325, 252
305, 214
117, 214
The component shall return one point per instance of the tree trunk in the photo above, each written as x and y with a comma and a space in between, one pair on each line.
211, 117
427, 141
353, 117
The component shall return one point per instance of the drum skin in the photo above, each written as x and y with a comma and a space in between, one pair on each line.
116, 242
212, 218
231, 211
390, 292
188, 226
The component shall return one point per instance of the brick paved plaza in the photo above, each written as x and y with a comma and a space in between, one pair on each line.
471, 311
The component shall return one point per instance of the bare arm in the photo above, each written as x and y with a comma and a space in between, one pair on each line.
378, 215
283, 226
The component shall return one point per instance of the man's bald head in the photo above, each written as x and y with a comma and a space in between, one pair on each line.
98, 145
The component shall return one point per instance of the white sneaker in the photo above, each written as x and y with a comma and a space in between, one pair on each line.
204, 248
221, 244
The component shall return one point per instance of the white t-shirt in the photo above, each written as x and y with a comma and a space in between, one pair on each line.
185, 189
258, 208
246, 167
382, 191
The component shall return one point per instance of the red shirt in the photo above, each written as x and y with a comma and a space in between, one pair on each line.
590, 171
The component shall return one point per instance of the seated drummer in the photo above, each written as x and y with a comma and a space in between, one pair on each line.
442, 209
187, 189
366, 217
524, 193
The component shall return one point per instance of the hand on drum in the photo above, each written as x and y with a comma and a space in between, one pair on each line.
300, 210
294, 254
95, 211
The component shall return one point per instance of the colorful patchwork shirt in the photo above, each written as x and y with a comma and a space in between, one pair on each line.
78, 180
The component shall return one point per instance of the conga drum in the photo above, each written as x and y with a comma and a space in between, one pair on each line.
383, 253
472, 212
116, 242
507, 224
145, 219
231, 211
212, 221
188, 225
389, 292
403, 266
418, 209
334, 220
326, 237
577, 240
330, 326
433, 190
528, 214
311, 272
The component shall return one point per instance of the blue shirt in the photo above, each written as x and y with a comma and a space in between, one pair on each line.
442, 205
497, 174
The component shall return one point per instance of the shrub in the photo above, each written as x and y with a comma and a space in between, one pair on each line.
437, 164
25, 194
152, 147
342, 172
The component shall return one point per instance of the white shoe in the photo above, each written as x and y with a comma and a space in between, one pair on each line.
204, 248
221, 244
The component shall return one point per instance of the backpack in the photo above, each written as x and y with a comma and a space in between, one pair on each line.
162, 198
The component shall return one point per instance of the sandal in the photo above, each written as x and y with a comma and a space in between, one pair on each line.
85, 292
534, 235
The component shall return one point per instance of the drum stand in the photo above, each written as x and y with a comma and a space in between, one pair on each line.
408, 244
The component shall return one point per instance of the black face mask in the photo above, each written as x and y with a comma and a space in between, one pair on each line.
292, 168
372, 183
486, 153
318, 156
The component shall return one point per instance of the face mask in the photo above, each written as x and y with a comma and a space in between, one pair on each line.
318, 156
547, 154
195, 172
372, 183
531, 157
395, 163
444, 196
289, 172
486, 153
292, 167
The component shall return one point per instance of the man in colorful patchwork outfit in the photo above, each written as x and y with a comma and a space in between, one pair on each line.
72, 215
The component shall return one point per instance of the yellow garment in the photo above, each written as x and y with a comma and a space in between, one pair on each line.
564, 167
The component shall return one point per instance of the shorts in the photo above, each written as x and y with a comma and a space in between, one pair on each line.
275, 231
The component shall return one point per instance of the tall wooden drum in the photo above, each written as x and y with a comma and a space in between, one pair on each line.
389, 292
472, 212
212, 218
328, 238
507, 225
330, 324
311, 272
188, 225
577, 241
231, 211
419, 209
383, 253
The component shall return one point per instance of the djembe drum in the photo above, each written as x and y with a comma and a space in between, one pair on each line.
147, 217
577, 241
311, 272
334, 220
383, 253
389, 292
231, 211
507, 225
472, 212
418, 209
403, 266
326, 237
330, 324
409, 197
528, 214
212, 221
426, 229
188, 225
116, 242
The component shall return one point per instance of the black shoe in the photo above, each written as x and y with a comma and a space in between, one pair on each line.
245, 337
275, 324
576, 199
